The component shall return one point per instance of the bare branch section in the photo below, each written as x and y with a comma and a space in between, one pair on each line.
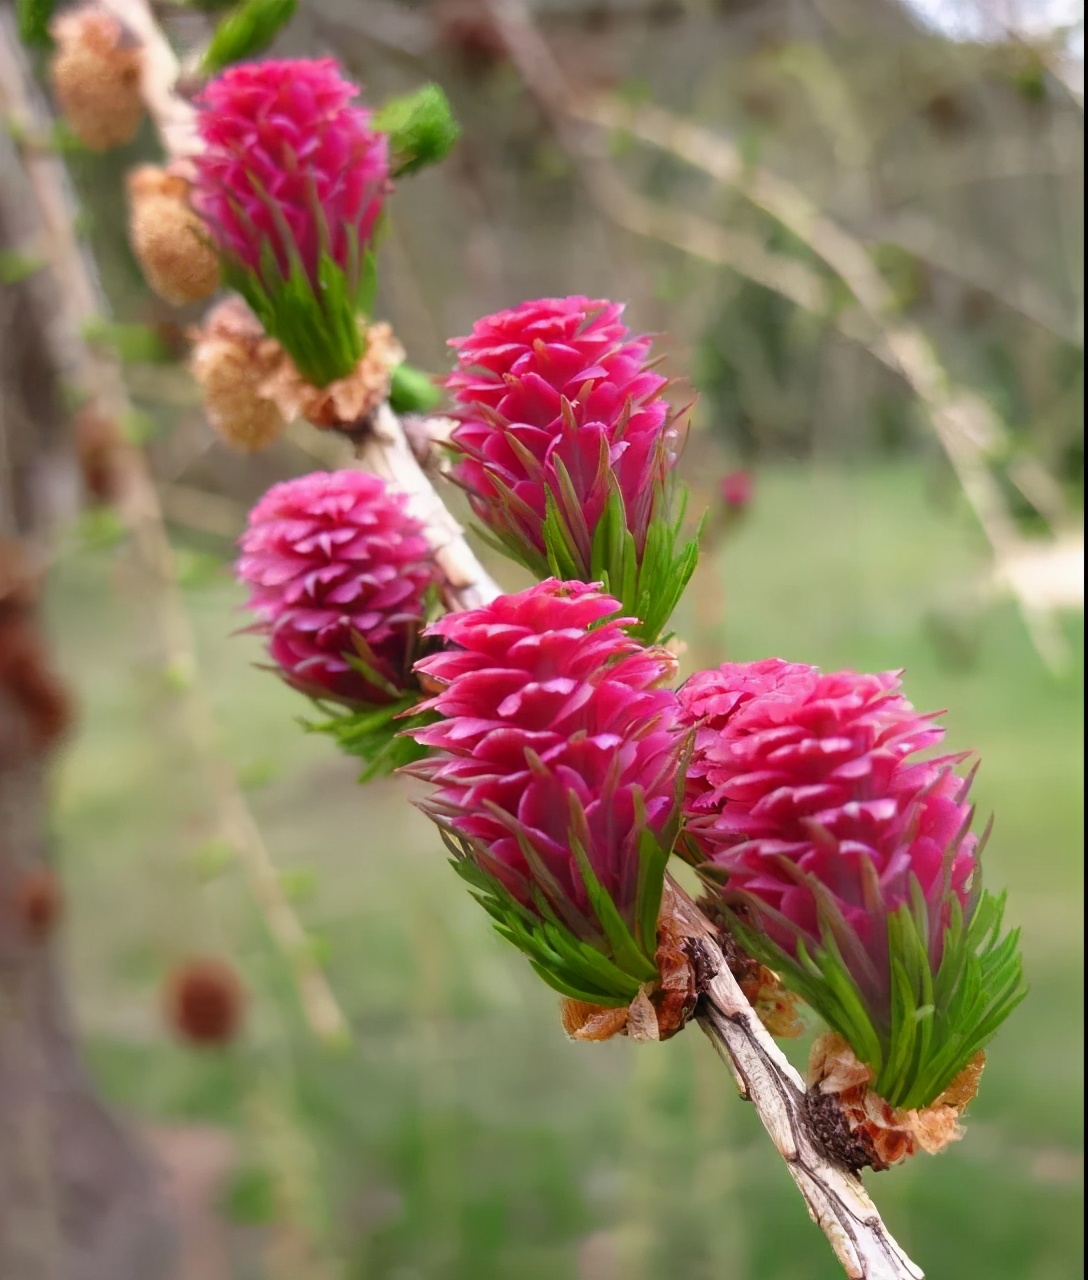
138, 504
836, 1198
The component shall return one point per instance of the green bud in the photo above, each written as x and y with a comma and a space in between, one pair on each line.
246, 31
421, 129
34, 17
412, 390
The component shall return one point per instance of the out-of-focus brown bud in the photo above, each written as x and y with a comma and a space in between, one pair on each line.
27, 677
19, 580
232, 357
95, 72
99, 445
168, 238
466, 28
25, 673
39, 902
205, 1001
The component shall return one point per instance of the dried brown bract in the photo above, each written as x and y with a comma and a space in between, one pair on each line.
346, 403
888, 1135
660, 1010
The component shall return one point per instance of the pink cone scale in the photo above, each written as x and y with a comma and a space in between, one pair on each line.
291, 182
560, 410
339, 576
554, 759
815, 800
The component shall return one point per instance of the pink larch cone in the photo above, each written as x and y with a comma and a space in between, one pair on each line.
842, 849
805, 790
339, 574
555, 737
289, 163
560, 385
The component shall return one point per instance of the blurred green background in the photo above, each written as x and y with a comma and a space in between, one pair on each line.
460, 1136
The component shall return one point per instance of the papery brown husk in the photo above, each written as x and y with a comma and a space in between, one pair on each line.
169, 238
888, 1135
349, 401
660, 1009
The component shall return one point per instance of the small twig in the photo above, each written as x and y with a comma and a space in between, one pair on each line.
384, 449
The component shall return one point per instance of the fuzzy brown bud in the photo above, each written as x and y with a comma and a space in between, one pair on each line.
26, 675
95, 72
232, 357
39, 901
205, 1001
99, 446
168, 238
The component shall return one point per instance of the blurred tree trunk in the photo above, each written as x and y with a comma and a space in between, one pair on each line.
79, 1198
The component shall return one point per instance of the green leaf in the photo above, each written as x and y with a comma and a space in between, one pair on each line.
16, 266
567, 963
625, 950
250, 1199
316, 322
133, 343
377, 735
421, 127
247, 31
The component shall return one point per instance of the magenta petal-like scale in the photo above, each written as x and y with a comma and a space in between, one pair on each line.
331, 560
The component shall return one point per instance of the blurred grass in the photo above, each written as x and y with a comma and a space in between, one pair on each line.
462, 1137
